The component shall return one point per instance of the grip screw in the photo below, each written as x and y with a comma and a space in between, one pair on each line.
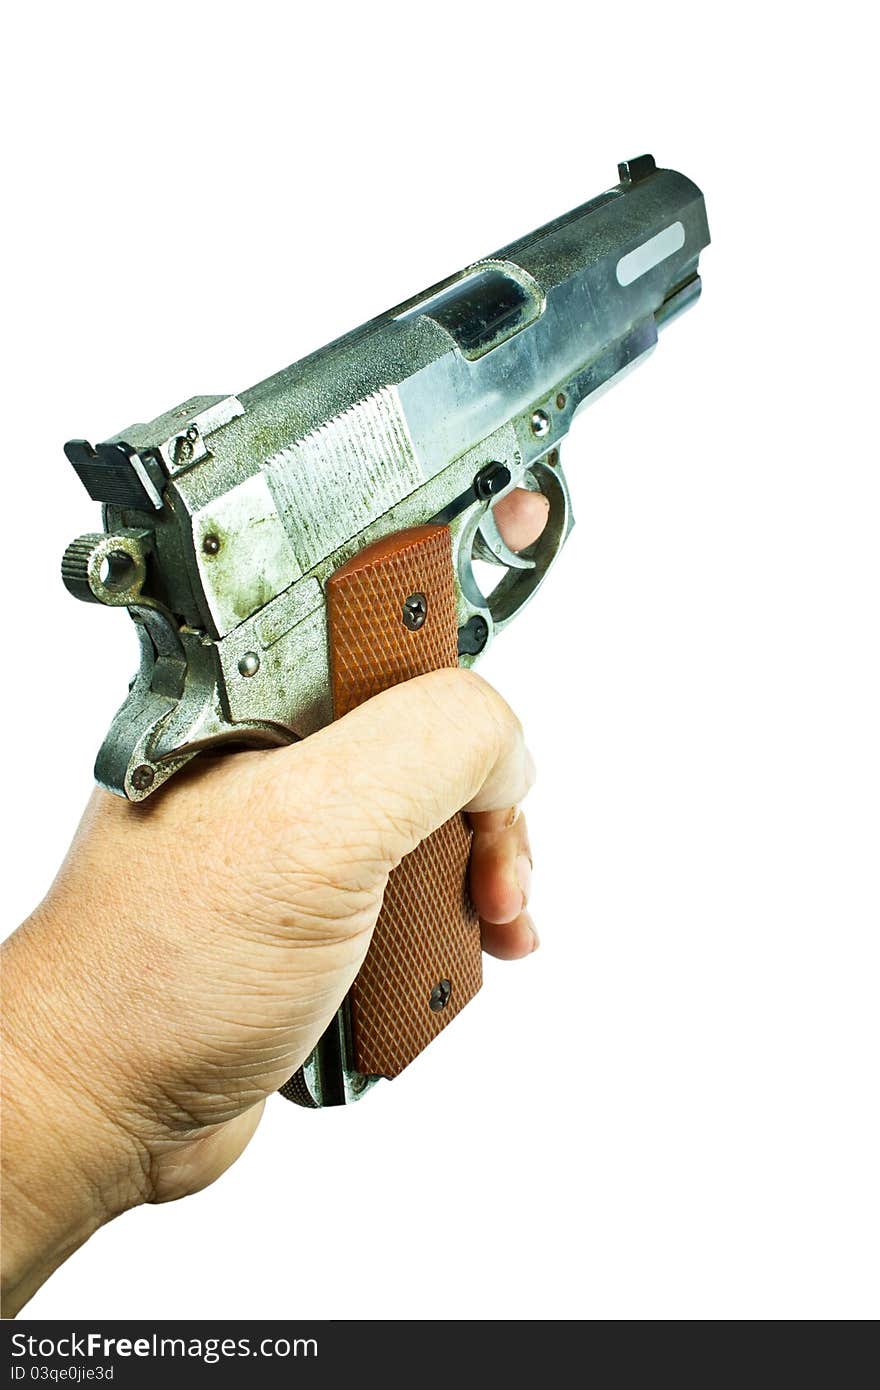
415, 611
249, 664
440, 995
211, 544
143, 777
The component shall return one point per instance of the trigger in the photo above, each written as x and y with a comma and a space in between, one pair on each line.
491, 546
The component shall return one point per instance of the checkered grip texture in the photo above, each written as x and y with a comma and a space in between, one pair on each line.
427, 930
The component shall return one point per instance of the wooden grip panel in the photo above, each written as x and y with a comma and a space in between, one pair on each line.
391, 616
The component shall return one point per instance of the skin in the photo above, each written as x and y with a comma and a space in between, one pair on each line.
193, 948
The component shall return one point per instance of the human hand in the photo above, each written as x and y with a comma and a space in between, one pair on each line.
195, 946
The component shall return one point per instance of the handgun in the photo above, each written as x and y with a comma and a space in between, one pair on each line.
290, 551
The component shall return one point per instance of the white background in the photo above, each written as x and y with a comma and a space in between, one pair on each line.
670, 1111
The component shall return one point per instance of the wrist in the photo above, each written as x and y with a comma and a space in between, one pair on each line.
68, 1165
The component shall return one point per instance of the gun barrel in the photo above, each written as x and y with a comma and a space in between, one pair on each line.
494, 338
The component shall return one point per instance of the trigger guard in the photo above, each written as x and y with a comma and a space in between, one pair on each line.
519, 584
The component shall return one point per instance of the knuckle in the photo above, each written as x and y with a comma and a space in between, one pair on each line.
470, 688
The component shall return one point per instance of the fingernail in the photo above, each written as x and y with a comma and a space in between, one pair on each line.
524, 875
536, 940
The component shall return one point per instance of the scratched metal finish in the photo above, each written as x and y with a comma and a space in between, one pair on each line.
227, 514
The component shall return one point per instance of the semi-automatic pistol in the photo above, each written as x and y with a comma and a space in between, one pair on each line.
288, 552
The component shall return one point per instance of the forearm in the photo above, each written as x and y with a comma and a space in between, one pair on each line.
67, 1167
143, 1030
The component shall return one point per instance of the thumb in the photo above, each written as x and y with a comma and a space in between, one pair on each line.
393, 770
